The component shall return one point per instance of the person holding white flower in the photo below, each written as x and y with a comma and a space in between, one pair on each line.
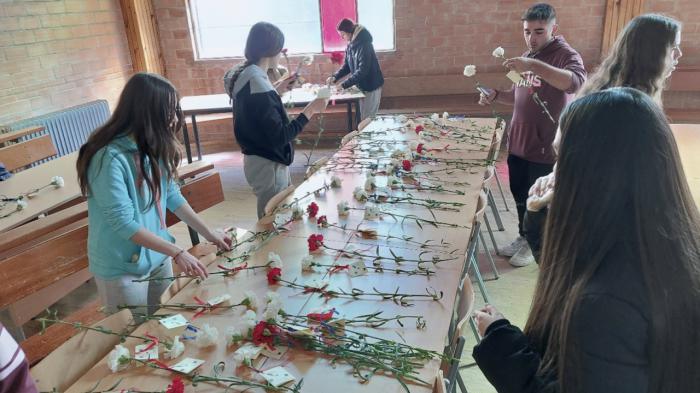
262, 126
127, 169
361, 65
553, 70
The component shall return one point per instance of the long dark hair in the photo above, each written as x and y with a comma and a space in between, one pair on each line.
638, 57
264, 40
619, 178
148, 111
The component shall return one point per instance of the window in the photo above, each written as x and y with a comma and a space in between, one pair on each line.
220, 27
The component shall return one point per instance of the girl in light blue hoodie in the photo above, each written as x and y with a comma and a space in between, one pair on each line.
128, 172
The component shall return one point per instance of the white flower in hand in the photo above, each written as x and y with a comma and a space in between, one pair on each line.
119, 358
336, 182
21, 204
470, 70
274, 259
174, 349
57, 181
499, 53
206, 336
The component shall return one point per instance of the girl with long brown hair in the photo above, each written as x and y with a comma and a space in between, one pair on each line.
617, 302
644, 55
128, 171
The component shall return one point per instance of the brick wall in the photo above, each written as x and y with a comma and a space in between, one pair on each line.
433, 37
60, 53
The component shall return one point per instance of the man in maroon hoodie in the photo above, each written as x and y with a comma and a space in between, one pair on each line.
552, 71
14, 370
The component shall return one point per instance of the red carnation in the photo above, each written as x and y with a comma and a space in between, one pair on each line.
264, 333
176, 386
273, 275
322, 221
406, 164
337, 57
419, 128
312, 209
315, 242
419, 148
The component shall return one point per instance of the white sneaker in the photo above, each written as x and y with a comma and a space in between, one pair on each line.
523, 257
513, 248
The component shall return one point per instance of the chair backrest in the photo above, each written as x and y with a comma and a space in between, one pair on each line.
364, 123
348, 137
23, 153
465, 302
313, 168
440, 386
271, 207
75, 357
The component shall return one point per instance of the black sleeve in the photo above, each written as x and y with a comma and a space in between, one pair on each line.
533, 224
509, 362
612, 336
275, 129
344, 70
364, 60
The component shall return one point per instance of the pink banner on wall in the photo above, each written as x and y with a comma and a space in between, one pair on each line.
332, 11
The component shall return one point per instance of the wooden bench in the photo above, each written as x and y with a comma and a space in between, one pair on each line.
45, 260
21, 153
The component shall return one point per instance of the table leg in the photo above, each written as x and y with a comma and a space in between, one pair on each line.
195, 131
186, 141
350, 116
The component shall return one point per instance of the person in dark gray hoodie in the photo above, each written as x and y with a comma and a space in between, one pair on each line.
361, 65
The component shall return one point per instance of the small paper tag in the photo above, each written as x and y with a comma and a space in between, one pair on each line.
187, 365
142, 354
358, 268
277, 376
174, 321
514, 76
277, 353
223, 300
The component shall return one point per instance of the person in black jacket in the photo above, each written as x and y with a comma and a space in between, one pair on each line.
261, 125
362, 65
650, 39
617, 303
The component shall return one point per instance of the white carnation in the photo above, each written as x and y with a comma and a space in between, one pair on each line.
175, 350
370, 183
360, 194
343, 208
119, 358
206, 336
21, 204
274, 259
249, 320
371, 212
336, 182
234, 336
57, 181
499, 52
307, 263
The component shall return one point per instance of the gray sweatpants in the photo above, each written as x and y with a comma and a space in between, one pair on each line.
122, 291
370, 104
268, 178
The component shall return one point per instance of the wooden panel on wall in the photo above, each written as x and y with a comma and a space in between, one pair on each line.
142, 35
617, 14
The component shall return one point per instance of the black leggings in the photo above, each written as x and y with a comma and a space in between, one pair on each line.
523, 174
